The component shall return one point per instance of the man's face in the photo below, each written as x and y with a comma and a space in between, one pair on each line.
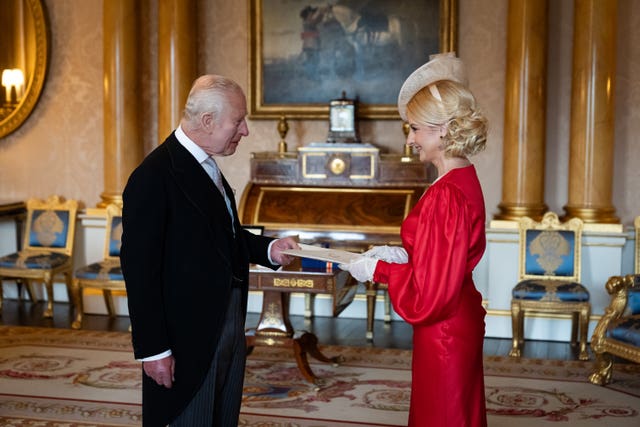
230, 127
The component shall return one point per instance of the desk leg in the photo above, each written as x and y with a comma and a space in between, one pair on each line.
307, 343
274, 329
372, 295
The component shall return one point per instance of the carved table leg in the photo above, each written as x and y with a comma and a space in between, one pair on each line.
372, 295
274, 329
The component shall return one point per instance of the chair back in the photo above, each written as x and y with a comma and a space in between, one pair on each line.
50, 225
636, 226
550, 249
113, 239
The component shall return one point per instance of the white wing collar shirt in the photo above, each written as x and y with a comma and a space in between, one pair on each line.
209, 165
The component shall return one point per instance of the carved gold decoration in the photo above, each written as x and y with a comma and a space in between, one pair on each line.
283, 128
605, 347
292, 283
36, 27
636, 226
337, 166
592, 215
513, 212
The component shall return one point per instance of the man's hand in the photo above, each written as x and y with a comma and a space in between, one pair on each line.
281, 245
161, 370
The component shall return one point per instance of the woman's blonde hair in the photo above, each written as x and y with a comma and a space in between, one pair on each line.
449, 103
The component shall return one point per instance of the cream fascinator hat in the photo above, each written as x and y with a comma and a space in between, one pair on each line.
442, 66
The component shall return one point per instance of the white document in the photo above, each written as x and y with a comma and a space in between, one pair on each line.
323, 254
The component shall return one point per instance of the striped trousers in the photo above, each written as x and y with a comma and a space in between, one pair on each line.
218, 401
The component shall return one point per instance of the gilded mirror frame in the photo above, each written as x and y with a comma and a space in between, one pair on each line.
35, 84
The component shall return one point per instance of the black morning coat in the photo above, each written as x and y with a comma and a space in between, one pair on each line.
178, 257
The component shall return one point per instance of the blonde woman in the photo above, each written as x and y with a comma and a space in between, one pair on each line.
430, 277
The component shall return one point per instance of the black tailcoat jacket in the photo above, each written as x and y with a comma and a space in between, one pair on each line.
179, 256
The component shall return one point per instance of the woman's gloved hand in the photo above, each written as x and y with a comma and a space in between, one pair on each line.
386, 253
361, 269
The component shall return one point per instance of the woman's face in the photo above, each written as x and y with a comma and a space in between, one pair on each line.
426, 140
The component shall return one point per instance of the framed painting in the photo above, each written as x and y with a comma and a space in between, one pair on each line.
305, 53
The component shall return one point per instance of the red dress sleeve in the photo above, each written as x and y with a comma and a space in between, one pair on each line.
426, 289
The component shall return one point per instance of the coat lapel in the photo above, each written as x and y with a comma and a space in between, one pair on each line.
195, 183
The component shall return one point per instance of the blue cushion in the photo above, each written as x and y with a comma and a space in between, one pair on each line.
49, 228
104, 270
633, 302
550, 290
44, 261
549, 253
115, 237
626, 330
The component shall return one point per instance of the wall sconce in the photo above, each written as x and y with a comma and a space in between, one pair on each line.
13, 78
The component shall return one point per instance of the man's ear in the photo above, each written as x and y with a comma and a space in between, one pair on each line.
207, 121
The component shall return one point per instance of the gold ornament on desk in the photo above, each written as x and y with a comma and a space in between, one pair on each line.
283, 128
408, 151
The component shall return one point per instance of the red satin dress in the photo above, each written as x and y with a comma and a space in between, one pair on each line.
444, 236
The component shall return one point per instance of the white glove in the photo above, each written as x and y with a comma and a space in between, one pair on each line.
361, 269
386, 253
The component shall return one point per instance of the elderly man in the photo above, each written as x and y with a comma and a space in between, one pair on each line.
185, 259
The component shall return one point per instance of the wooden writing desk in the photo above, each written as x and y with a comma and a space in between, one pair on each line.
274, 327
343, 196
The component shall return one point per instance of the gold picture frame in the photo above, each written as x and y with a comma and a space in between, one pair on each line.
288, 63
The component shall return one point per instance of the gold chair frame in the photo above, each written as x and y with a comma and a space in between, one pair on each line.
605, 347
580, 311
107, 286
28, 275
636, 226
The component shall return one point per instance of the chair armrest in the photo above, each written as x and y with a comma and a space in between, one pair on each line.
618, 287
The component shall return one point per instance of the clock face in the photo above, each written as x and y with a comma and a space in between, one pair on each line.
342, 118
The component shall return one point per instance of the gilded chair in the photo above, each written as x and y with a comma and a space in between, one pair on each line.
618, 330
47, 249
549, 276
105, 275
636, 226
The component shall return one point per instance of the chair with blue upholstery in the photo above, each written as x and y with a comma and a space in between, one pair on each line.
549, 278
618, 330
636, 225
105, 275
47, 250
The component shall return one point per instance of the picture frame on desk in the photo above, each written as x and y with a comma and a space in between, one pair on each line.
305, 53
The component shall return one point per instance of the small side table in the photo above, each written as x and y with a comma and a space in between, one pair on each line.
274, 327
16, 210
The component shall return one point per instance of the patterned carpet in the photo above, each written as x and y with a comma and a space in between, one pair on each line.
58, 377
